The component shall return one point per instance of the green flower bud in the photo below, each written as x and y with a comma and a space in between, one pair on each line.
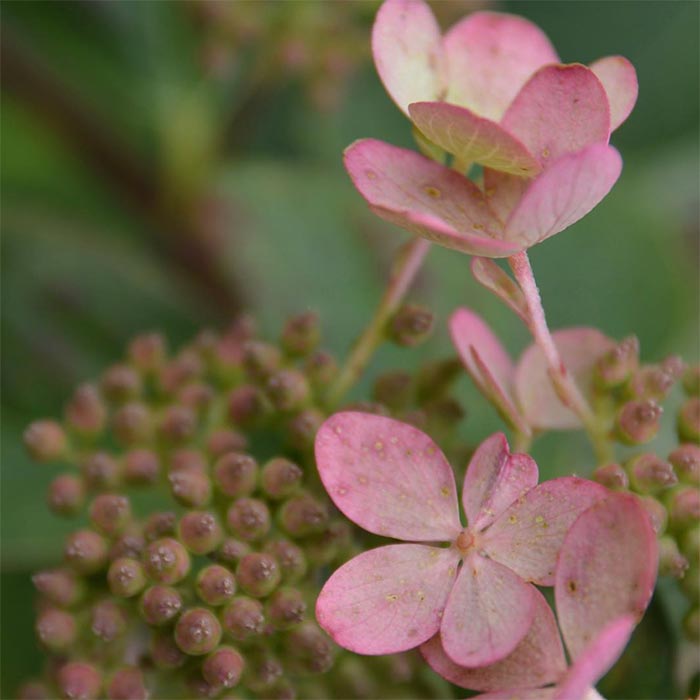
394, 389
328, 545
301, 334
649, 473
85, 412
303, 515
130, 544
657, 513
320, 369
190, 488
66, 495
312, 649
638, 422
110, 513
248, 519
686, 461
147, 352
691, 624
45, 441
166, 561
258, 574
411, 325
231, 551
223, 668
79, 680
196, 396
200, 531
223, 441
435, 378
85, 551
281, 478
187, 460
61, 586
56, 629
141, 467
178, 424
159, 525
127, 683
126, 577
184, 369
243, 619
101, 471
617, 365
108, 621
690, 544
132, 424
34, 690
691, 380
290, 557
286, 608
671, 561
262, 672
197, 632
688, 423
612, 476
288, 390
684, 506
215, 585
159, 605
120, 383
236, 474
165, 652
301, 429
655, 381
248, 406
260, 360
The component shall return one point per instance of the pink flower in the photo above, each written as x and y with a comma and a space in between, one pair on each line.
604, 580
539, 128
523, 392
392, 480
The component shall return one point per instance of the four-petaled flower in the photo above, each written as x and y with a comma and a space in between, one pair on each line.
492, 92
392, 480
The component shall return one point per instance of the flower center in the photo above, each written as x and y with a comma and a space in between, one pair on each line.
464, 542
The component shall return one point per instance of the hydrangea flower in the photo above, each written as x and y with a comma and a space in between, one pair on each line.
522, 391
604, 580
473, 583
491, 91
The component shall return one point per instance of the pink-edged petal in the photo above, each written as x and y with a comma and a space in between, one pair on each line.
473, 139
423, 196
560, 110
388, 477
580, 349
606, 569
388, 599
490, 56
488, 274
536, 661
494, 480
407, 50
596, 659
564, 193
527, 537
488, 613
619, 79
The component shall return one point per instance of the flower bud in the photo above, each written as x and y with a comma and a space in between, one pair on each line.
248, 406
690, 544
196, 396
248, 519
160, 604
303, 515
178, 424
34, 690
612, 476
231, 551
223, 668
691, 624
301, 429
617, 365
655, 381
159, 525
56, 629
236, 474
290, 558
443, 416
79, 680
85, 412
187, 460
200, 531
243, 618
85, 551
110, 513
120, 383
263, 671
66, 495
288, 390
223, 441
686, 461
258, 574
684, 506
147, 352
325, 547
101, 471
130, 544
281, 478
132, 424
690, 583
215, 585
286, 608
649, 473
126, 577
691, 380
165, 653
688, 423
108, 621
411, 325
394, 390
260, 360
671, 561
657, 513
320, 369
45, 441
190, 488
197, 632
60, 586
184, 369
166, 561
435, 378
311, 647
301, 334
141, 467
127, 684
638, 422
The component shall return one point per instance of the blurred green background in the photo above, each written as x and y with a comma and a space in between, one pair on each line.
168, 164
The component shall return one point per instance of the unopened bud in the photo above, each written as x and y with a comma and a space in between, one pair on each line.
303, 515
45, 441
66, 495
165, 653
127, 684
686, 461
263, 671
34, 690
108, 621
187, 460
215, 585
160, 604
248, 406
130, 544
189, 488
260, 360
243, 618
197, 632
223, 668
184, 369
85, 551
617, 365
286, 608
691, 380
691, 624
132, 424
159, 525
222, 441
85, 412
301, 429
281, 478
79, 680
197, 396
101, 471
394, 390
320, 369
120, 383
288, 390
311, 647
236, 474
684, 506
443, 416
657, 513
126, 577
248, 519
60, 586
258, 574
435, 378
56, 629
166, 561
178, 424
290, 557
147, 352
411, 325
612, 476
688, 423
301, 334
649, 473
141, 467
110, 513
671, 561
638, 422
231, 551
326, 546
690, 544
690, 583
200, 531
655, 381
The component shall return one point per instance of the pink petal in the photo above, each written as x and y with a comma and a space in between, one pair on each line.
388, 477
606, 569
494, 480
406, 45
473, 139
596, 659
564, 193
537, 660
580, 349
487, 273
528, 536
619, 79
423, 196
488, 613
388, 599
560, 110
490, 56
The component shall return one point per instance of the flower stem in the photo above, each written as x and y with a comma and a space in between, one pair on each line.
563, 383
406, 265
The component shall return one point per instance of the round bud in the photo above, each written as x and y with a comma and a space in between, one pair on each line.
248, 406
638, 422
688, 423
248, 519
141, 467
243, 618
85, 551
657, 513
311, 647
127, 684
189, 488
394, 389
684, 506
258, 574
686, 461
130, 544
655, 381
281, 478
617, 365
290, 558
690, 544
147, 352
301, 334
60, 586
108, 620
165, 653
160, 525
166, 561
411, 325
691, 380
197, 632
223, 668
650, 474
260, 360
286, 608
326, 546
612, 476
231, 551
34, 690
110, 513
690, 583
320, 369
79, 680
188, 460
222, 441
120, 382
101, 471
303, 515
236, 474
45, 441
178, 424
85, 412
160, 604
126, 577
56, 629
185, 368
436, 378
197, 396
132, 424
671, 561
691, 624
288, 390
200, 531
215, 585
263, 671
301, 429
66, 495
